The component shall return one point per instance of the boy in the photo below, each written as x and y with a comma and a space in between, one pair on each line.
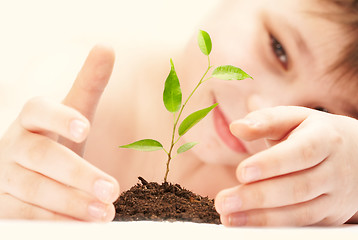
285, 163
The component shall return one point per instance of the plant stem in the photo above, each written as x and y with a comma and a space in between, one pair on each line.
176, 120
170, 150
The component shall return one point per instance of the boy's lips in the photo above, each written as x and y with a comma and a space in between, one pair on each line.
222, 128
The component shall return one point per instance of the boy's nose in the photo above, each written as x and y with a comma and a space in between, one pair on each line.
256, 102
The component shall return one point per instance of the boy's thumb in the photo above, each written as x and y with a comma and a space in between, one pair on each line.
89, 85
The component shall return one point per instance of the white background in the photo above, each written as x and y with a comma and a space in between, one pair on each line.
43, 43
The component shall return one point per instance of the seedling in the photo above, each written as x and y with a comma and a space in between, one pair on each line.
172, 98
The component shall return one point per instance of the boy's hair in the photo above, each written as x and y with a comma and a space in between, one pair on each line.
345, 12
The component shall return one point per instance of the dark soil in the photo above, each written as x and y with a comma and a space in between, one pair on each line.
164, 202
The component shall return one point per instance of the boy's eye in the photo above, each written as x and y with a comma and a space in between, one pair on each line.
322, 109
279, 52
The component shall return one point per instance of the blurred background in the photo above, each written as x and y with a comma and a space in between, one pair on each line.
43, 43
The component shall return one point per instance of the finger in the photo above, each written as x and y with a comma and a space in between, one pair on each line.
61, 164
39, 190
303, 149
272, 123
91, 81
13, 208
88, 87
303, 214
40, 115
276, 192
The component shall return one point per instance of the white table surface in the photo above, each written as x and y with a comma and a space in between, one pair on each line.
164, 230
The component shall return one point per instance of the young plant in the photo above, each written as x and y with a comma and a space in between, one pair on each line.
172, 98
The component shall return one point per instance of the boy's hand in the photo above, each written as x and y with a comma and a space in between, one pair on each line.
42, 173
308, 176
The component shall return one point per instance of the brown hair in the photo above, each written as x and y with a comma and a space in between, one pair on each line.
345, 12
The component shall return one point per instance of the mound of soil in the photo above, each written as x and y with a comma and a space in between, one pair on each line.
164, 202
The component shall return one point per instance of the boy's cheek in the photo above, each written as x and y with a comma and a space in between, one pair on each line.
211, 150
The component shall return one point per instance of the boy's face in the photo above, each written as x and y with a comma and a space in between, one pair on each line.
286, 48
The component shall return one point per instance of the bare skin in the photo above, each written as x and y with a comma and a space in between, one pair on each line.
266, 154
43, 175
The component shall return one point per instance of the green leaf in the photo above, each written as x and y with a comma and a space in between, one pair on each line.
146, 145
185, 147
193, 119
229, 72
204, 42
172, 95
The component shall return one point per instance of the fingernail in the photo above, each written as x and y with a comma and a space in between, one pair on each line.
231, 204
77, 128
250, 174
97, 211
103, 190
239, 219
250, 122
